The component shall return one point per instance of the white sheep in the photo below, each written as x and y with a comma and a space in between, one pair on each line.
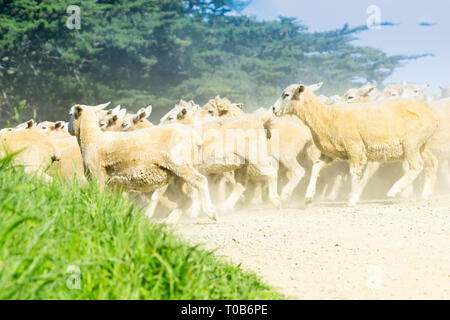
391, 130
143, 160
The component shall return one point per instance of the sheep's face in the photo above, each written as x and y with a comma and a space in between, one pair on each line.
74, 122
46, 126
362, 94
76, 112
210, 110
393, 90
289, 98
131, 120
413, 91
26, 125
221, 107
111, 120
180, 111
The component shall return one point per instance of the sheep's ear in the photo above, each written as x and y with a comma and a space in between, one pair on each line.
30, 124
299, 90
364, 91
58, 125
239, 105
142, 114
77, 110
122, 113
148, 111
102, 106
182, 114
315, 87
115, 110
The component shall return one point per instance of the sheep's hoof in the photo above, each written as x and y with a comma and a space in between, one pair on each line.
193, 212
276, 203
426, 194
174, 217
331, 197
407, 193
391, 195
213, 215
308, 201
256, 201
285, 196
352, 203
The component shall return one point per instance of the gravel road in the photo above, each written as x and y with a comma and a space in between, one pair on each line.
376, 250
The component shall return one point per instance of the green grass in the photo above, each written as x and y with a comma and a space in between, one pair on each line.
49, 232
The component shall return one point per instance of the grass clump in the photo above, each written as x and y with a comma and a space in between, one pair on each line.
65, 241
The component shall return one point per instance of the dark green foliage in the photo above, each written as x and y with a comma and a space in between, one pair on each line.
141, 52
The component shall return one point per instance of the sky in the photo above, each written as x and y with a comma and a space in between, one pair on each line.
410, 36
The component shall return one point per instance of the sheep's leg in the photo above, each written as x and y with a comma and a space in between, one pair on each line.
101, 178
431, 165
197, 180
257, 194
355, 173
270, 174
238, 190
317, 167
445, 172
194, 209
39, 172
295, 174
335, 187
222, 188
409, 190
225, 178
415, 166
155, 198
189, 174
173, 217
371, 168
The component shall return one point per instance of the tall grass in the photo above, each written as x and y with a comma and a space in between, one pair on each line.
64, 241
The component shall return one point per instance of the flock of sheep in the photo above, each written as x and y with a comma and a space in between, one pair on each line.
195, 150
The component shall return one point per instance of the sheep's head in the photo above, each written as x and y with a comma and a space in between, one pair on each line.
132, 120
362, 94
412, 90
51, 128
111, 120
180, 111
76, 114
291, 96
393, 90
46, 126
221, 107
30, 124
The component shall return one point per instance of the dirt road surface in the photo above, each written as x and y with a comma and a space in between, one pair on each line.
376, 250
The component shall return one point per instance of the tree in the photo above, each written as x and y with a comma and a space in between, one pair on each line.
140, 52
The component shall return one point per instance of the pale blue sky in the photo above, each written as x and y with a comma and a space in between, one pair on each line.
406, 38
